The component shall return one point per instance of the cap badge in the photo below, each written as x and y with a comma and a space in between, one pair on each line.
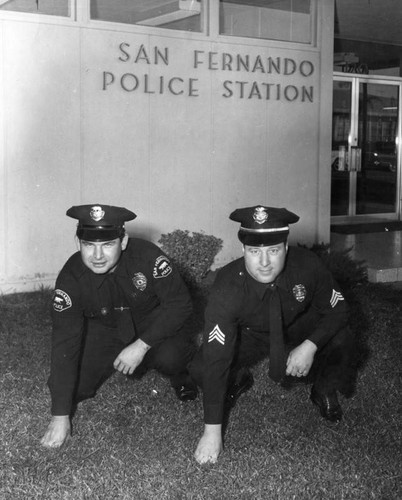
97, 213
260, 215
139, 281
299, 292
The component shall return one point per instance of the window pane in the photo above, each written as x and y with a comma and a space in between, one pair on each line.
378, 130
341, 122
182, 15
287, 20
48, 7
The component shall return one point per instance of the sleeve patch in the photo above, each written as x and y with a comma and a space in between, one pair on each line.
217, 334
162, 267
61, 301
336, 297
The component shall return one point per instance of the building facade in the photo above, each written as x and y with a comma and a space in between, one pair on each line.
180, 111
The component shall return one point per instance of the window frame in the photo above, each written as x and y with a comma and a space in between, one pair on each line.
80, 17
74, 5
313, 28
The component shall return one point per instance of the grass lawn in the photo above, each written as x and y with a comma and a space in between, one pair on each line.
135, 440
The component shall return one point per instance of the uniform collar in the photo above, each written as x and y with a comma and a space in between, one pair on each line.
261, 288
79, 269
99, 279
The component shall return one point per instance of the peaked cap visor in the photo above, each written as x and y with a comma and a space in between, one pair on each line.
90, 233
254, 239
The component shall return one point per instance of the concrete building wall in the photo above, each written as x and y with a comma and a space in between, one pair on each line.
161, 122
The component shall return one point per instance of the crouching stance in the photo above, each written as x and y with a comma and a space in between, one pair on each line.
276, 301
118, 305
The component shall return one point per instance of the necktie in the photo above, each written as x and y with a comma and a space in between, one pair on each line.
277, 347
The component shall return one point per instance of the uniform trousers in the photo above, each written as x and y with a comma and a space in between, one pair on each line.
102, 345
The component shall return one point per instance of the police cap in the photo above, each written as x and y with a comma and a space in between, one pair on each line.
263, 226
100, 222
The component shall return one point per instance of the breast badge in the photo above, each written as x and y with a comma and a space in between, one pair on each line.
139, 281
299, 292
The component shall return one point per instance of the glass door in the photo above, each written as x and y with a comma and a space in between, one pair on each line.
365, 148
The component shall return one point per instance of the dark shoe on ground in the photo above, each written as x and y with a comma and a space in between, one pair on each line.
186, 392
328, 404
184, 387
241, 384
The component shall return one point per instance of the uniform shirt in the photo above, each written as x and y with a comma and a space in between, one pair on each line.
143, 283
239, 303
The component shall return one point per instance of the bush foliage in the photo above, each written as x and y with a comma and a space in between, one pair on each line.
346, 271
192, 253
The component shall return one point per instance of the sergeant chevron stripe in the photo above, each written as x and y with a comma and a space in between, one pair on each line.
217, 334
336, 297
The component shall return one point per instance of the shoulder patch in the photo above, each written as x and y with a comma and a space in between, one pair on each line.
162, 267
61, 301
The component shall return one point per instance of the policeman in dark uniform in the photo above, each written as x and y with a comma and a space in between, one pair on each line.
276, 301
119, 304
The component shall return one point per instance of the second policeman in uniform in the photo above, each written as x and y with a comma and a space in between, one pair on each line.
277, 301
119, 304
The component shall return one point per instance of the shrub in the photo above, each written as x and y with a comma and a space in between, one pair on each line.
192, 253
346, 271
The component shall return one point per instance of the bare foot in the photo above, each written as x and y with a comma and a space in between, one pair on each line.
210, 445
58, 431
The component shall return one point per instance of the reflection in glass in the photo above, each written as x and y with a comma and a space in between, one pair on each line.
47, 7
364, 161
184, 15
287, 20
341, 122
378, 122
